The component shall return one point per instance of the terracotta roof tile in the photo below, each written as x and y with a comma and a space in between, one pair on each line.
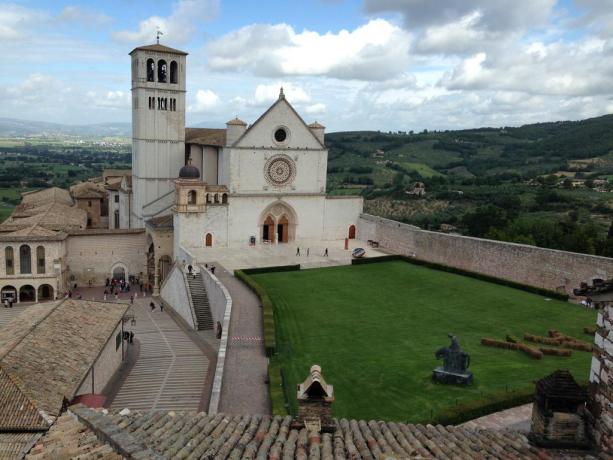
48, 350
205, 136
188, 435
45, 196
17, 412
13, 445
54, 216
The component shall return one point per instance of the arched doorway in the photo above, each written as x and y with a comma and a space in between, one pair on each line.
8, 293
164, 265
45, 292
283, 229
27, 293
278, 222
119, 272
268, 229
352, 232
208, 240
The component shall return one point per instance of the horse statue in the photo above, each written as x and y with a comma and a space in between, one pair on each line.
455, 363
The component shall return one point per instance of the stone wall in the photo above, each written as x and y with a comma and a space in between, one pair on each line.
217, 294
104, 367
175, 293
600, 404
544, 268
92, 255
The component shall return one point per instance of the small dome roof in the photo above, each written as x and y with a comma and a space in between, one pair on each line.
189, 171
236, 121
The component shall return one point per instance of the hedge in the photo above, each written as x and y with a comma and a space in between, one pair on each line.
460, 271
268, 312
277, 389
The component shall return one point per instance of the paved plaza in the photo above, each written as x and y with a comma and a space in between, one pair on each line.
170, 371
7, 314
262, 255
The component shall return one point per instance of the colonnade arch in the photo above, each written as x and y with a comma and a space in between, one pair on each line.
278, 223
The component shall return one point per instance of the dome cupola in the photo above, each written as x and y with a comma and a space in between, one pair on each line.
189, 171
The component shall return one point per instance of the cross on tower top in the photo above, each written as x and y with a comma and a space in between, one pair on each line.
157, 35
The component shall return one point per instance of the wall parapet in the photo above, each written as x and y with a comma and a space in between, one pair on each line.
218, 293
549, 269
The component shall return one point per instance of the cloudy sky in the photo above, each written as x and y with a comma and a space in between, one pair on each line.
350, 64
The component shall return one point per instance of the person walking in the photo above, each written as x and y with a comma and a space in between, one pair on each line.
297, 251
161, 306
213, 269
308, 250
326, 253
152, 305
131, 339
132, 300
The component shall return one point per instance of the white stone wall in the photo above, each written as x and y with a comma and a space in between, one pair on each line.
190, 229
158, 136
175, 293
92, 257
104, 367
218, 296
340, 213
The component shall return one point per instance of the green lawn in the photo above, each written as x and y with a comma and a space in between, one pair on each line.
374, 329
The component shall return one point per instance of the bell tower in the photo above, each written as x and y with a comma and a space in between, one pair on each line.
158, 129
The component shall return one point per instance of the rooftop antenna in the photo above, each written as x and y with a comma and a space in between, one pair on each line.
157, 35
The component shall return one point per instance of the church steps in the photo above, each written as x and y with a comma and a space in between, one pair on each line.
200, 302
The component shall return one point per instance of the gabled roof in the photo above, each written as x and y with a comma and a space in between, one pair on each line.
33, 233
17, 412
53, 216
159, 48
280, 100
206, 136
88, 189
48, 350
45, 196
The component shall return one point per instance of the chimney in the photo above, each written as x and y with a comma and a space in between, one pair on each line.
234, 130
318, 131
315, 398
558, 413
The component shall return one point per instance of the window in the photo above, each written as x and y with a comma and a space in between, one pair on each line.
116, 220
151, 102
191, 197
150, 70
9, 261
116, 198
280, 135
162, 71
40, 259
25, 259
174, 72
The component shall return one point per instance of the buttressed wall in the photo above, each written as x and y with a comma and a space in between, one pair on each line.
544, 268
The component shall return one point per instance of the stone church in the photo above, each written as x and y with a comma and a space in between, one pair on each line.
263, 183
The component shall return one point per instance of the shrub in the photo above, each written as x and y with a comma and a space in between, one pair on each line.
589, 330
512, 339
499, 344
544, 340
532, 352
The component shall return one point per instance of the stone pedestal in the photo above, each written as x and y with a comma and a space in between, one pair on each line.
440, 375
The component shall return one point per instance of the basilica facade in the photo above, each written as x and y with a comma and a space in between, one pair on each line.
263, 183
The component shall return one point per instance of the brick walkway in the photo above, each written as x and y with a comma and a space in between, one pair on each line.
244, 389
516, 418
170, 371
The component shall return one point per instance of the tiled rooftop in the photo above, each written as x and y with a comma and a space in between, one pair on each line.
205, 136
168, 435
48, 349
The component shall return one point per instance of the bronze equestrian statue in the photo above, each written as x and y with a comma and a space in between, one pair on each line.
455, 364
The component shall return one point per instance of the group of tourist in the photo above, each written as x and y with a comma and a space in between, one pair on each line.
308, 251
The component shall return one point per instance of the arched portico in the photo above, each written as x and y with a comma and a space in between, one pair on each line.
27, 293
45, 292
278, 223
119, 271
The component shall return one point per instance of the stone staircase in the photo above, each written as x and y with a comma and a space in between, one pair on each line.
200, 302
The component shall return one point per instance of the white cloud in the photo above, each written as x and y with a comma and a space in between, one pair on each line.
205, 101
267, 94
109, 99
315, 109
178, 27
375, 51
16, 21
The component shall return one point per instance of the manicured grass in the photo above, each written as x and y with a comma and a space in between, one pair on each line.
374, 330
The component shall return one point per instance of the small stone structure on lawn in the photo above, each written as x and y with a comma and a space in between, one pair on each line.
315, 398
558, 413
455, 364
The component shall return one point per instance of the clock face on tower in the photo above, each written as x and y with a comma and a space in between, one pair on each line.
280, 170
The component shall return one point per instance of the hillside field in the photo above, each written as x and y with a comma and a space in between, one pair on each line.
374, 330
